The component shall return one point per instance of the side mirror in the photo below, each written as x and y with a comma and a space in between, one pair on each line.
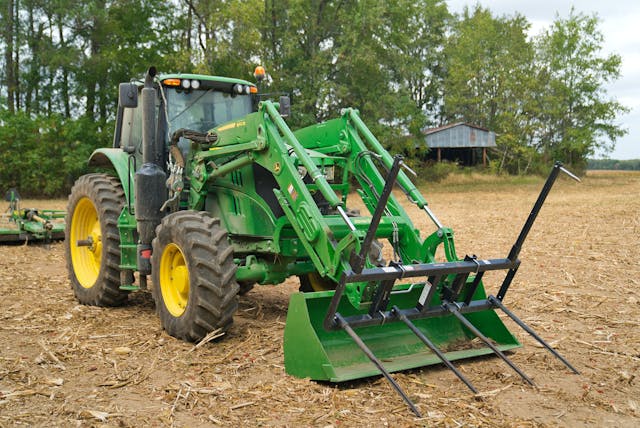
285, 106
128, 95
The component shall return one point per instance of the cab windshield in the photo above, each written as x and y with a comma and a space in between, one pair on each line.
201, 110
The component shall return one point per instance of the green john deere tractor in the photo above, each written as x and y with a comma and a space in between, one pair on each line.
210, 192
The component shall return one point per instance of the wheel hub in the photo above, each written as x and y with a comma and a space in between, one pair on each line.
174, 280
85, 225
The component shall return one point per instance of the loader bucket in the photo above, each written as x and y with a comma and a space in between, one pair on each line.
310, 351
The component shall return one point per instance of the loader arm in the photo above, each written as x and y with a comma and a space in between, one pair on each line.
329, 240
265, 139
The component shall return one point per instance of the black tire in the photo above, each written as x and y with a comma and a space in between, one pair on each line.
193, 274
94, 205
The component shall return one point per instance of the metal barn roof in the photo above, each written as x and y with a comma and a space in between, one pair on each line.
459, 135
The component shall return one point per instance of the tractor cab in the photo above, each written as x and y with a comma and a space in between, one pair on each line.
188, 101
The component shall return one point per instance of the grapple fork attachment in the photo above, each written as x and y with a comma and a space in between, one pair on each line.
449, 309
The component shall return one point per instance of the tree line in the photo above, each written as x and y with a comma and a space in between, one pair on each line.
406, 65
614, 164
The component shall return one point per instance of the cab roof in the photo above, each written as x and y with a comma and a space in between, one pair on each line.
205, 77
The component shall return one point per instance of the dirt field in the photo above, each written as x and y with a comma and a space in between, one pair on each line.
64, 364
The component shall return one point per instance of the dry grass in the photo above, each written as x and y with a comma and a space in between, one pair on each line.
66, 364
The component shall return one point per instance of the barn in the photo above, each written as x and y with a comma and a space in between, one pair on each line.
460, 142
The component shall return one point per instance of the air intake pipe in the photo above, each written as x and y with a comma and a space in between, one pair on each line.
150, 179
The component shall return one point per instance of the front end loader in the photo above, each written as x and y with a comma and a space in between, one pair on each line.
212, 193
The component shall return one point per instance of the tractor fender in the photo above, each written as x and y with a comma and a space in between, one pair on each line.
117, 160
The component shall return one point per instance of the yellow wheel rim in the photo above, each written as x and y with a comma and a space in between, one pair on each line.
319, 283
86, 260
174, 280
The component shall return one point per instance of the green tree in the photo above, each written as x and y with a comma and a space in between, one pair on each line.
44, 153
576, 115
10, 35
228, 34
491, 81
121, 39
414, 35
387, 62
304, 59
63, 62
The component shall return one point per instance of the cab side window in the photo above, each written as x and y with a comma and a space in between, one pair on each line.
132, 128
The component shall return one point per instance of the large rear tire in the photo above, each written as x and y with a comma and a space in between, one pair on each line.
95, 203
193, 274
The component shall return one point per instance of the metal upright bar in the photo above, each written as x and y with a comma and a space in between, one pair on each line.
454, 310
430, 288
358, 260
345, 325
515, 250
472, 289
346, 219
330, 319
493, 300
433, 348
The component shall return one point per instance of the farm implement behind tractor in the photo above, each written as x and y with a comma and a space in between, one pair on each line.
29, 224
210, 192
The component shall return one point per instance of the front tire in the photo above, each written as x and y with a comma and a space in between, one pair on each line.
193, 274
95, 203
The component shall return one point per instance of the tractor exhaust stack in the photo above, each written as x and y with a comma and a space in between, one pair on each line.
150, 179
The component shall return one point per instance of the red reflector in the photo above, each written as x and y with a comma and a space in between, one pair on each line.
146, 254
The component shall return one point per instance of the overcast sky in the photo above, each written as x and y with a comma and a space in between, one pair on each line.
619, 22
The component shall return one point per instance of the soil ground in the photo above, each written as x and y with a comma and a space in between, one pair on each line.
65, 364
